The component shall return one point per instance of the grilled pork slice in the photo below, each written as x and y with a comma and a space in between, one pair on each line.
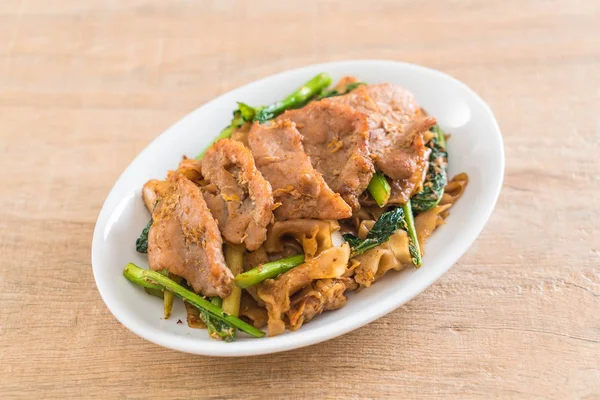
185, 239
396, 128
335, 136
191, 169
154, 190
238, 196
297, 186
241, 133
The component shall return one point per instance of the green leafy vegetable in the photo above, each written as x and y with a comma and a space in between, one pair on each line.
269, 270
155, 292
217, 329
354, 242
247, 112
141, 243
332, 93
387, 224
154, 280
295, 100
441, 139
409, 226
380, 189
237, 121
351, 86
436, 178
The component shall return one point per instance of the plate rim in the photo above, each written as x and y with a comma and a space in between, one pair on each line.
278, 343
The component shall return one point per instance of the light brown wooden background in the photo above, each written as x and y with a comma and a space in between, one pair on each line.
85, 85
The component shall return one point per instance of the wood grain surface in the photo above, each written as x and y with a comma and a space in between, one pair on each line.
85, 85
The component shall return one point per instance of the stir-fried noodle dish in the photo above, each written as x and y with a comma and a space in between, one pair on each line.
294, 205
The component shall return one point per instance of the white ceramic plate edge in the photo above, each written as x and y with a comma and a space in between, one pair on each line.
282, 343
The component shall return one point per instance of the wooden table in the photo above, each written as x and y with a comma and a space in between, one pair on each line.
85, 85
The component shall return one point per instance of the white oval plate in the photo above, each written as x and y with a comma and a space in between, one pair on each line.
475, 148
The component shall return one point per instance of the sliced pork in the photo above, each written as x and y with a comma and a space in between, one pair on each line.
396, 128
185, 239
335, 136
191, 169
297, 186
239, 197
154, 190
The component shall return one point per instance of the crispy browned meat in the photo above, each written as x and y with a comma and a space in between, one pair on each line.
242, 220
241, 133
322, 295
185, 239
396, 128
361, 100
153, 191
335, 136
237, 194
301, 190
191, 169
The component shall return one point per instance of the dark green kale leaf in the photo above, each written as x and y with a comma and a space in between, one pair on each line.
387, 224
141, 243
436, 178
332, 93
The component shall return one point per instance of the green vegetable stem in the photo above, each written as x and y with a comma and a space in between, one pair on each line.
379, 188
154, 280
413, 245
217, 329
332, 93
295, 100
269, 270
